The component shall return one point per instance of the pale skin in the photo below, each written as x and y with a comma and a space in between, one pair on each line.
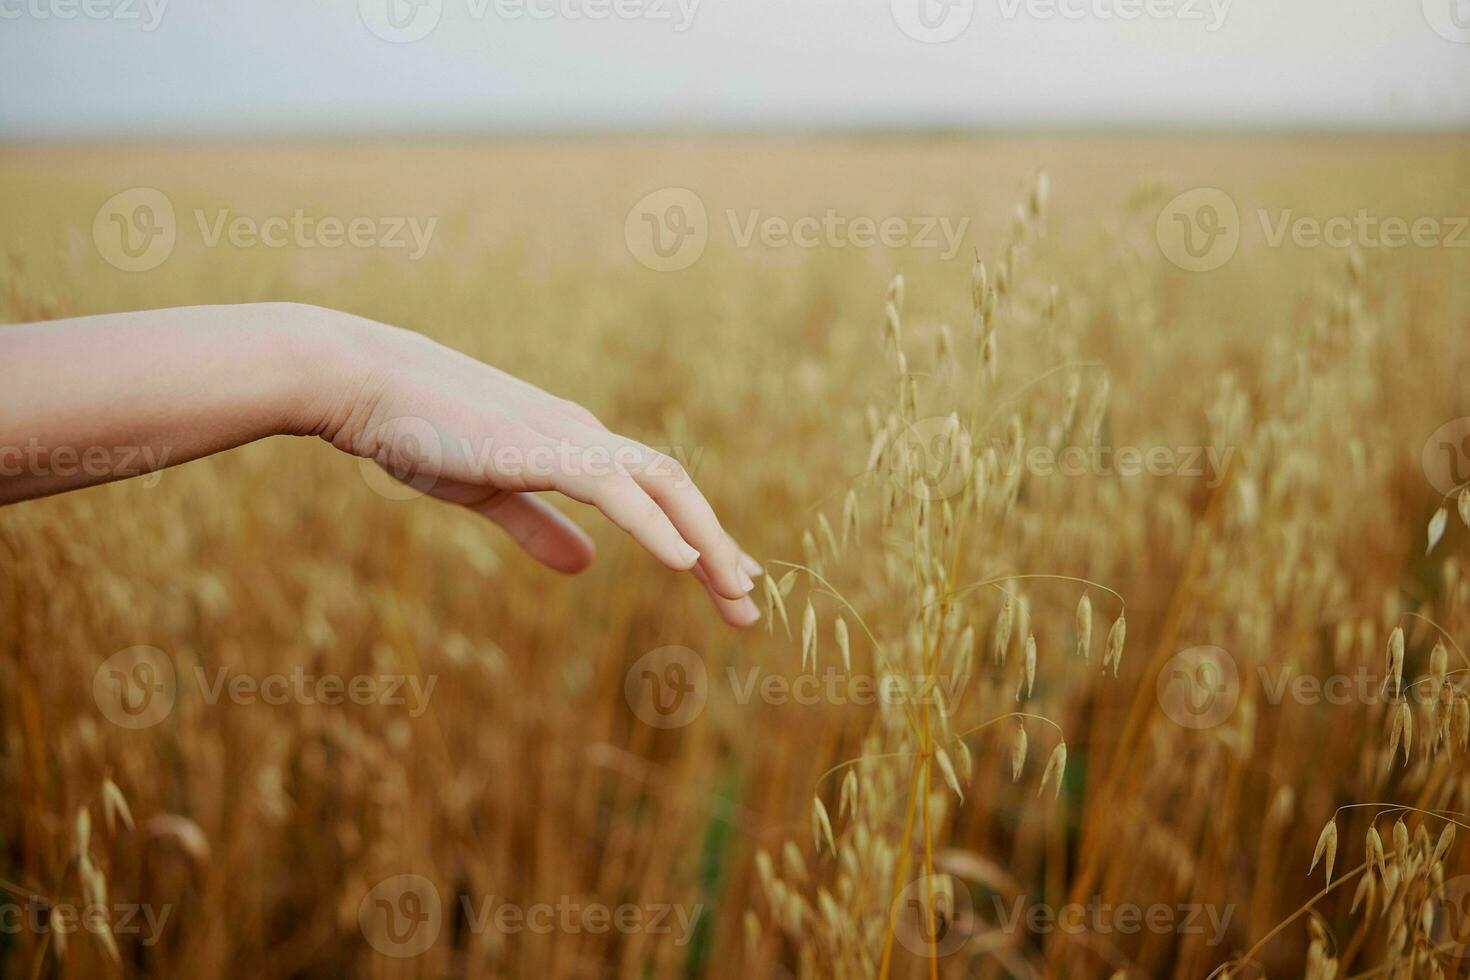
99, 398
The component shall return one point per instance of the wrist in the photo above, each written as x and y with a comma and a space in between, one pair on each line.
329, 360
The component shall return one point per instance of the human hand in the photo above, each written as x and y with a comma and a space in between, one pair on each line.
462, 431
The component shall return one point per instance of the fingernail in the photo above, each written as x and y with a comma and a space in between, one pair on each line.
687, 554
751, 566
746, 582
746, 611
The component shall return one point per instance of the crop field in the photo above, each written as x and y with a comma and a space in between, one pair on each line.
1108, 490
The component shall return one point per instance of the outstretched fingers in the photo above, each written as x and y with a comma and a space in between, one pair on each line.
625, 503
547, 535
740, 612
668, 483
653, 498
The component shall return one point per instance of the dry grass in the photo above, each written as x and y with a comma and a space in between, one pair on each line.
799, 375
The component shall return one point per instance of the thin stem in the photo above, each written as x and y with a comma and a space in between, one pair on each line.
832, 590
898, 871
1444, 632
1033, 575
1069, 365
1250, 954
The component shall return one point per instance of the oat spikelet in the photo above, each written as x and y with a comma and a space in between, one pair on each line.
947, 768
1445, 842
82, 836
764, 870
1396, 659
809, 636
821, 826
967, 761
830, 912
775, 602
94, 884
946, 348
115, 806
850, 529
892, 328
1116, 636
829, 540
1028, 668
1437, 524
1402, 732
1040, 193
1464, 505
752, 935
1326, 848
1018, 753
792, 861
847, 800
840, 628
875, 452
1439, 662
1375, 851
811, 554
1390, 885
1056, 768
965, 654
1363, 891
1084, 627
104, 936
1001, 640
787, 583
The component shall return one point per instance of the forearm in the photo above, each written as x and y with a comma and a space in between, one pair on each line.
100, 398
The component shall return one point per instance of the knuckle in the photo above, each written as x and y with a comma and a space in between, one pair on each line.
579, 412
650, 512
669, 468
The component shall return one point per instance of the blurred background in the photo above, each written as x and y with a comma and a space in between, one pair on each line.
131, 68
906, 284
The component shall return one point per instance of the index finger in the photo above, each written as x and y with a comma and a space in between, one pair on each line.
671, 486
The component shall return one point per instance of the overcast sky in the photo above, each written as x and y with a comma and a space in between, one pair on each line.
219, 66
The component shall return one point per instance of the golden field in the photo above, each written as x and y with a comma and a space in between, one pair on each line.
804, 390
